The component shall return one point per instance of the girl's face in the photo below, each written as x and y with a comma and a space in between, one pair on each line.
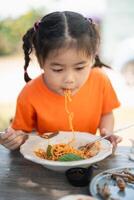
67, 69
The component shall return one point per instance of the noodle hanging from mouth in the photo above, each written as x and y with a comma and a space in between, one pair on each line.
70, 114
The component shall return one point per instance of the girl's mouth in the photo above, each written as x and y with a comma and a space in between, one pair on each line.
68, 90
72, 91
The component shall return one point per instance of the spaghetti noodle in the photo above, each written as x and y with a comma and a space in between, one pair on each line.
70, 114
59, 150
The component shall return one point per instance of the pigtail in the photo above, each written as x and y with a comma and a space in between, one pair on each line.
98, 63
27, 48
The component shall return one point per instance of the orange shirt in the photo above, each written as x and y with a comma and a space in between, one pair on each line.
40, 109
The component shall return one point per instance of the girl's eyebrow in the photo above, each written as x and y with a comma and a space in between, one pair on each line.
80, 63
55, 63
60, 64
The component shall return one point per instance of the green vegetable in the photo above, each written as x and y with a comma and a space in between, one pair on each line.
70, 157
49, 154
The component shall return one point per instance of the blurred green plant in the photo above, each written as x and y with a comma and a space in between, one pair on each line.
12, 30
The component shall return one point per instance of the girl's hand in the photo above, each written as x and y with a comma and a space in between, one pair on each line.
114, 139
12, 139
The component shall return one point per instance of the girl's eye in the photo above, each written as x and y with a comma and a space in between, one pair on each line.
79, 68
57, 70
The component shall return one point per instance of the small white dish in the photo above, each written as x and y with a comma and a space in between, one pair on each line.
131, 156
132, 147
82, 138
77, 197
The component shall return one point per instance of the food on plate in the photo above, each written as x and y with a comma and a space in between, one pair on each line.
126, 176
66, 152
120, 183
104, 191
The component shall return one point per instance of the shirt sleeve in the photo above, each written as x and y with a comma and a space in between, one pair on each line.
25, 115
110, 100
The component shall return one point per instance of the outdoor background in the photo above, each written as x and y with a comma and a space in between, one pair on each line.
114, 19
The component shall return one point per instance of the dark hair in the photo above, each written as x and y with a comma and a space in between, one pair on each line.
61, 29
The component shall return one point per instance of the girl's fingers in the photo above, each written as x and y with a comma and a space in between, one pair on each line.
10, 144
114, 139
6, 135
119, 139
114, 149
9, 137
11, 140
114, 144
13, 144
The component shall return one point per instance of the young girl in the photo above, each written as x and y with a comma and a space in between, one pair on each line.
66, 46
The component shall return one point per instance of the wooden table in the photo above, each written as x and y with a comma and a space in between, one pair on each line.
21, 179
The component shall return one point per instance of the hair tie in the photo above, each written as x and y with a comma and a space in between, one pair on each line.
36, 25
90, 21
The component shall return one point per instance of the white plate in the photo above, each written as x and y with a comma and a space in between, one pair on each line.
77, 197
35, 142
104, 177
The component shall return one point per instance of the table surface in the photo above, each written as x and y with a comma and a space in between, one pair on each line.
21, 179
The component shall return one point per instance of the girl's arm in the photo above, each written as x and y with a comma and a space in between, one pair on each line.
107, 122
107, 126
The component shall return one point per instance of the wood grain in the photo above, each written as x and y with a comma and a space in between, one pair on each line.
21, 179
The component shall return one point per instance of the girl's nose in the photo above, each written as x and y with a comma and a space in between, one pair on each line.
69, 78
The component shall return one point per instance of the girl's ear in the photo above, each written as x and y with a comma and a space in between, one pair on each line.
42, 67
92, 61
